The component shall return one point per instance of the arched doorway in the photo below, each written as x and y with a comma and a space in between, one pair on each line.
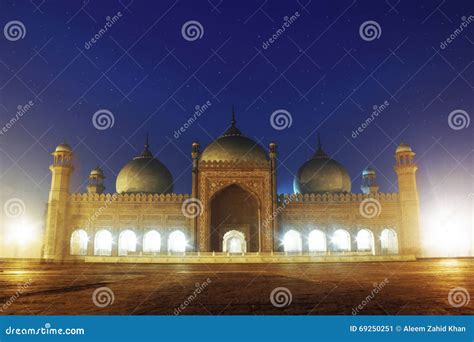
234, 208
234, 242
317, 241
79, 241
177, 242
151, 242
292, 242
389, 241
365, 241
103, 243
341, 240
127, 242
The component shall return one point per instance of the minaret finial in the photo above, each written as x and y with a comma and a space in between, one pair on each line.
233, 122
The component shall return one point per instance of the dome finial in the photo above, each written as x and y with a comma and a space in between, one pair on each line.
146, 141
233, 122
319, 142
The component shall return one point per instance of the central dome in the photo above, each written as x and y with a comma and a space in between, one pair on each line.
144, 174
233, 146
320, 175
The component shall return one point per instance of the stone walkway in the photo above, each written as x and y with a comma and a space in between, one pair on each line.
395, 288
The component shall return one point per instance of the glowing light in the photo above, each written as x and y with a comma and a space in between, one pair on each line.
152, 242
292, 242
79, 242
317, 241
448, 233
127, 242
365, 240
103, 243
389, 241
21, 233
177, 242
235, 245
341, 240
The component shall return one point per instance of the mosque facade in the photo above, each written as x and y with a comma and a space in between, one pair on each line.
233, 207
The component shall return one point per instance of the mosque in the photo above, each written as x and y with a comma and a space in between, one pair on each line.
233, 209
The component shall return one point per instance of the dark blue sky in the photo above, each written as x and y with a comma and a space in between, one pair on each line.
320, 70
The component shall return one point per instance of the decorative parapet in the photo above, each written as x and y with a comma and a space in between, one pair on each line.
225, 164
136, 198
335, 197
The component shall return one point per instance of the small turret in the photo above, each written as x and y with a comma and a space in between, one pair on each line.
96, 181
369, 185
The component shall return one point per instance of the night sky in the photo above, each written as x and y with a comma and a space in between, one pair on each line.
320, 70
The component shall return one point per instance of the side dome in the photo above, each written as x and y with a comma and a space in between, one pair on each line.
233, 146
320, 175
144, 174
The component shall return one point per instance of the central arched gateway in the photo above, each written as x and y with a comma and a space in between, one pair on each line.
234, 208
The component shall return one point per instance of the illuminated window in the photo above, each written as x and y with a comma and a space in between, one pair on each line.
127, 242
365, 240
389, 241
292, 242
103, 243
341, 240
317, 241
79, 241
152, 242
177, 242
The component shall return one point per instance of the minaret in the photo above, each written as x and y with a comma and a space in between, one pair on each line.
96, 181
409, 237
56, 241
195, 190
